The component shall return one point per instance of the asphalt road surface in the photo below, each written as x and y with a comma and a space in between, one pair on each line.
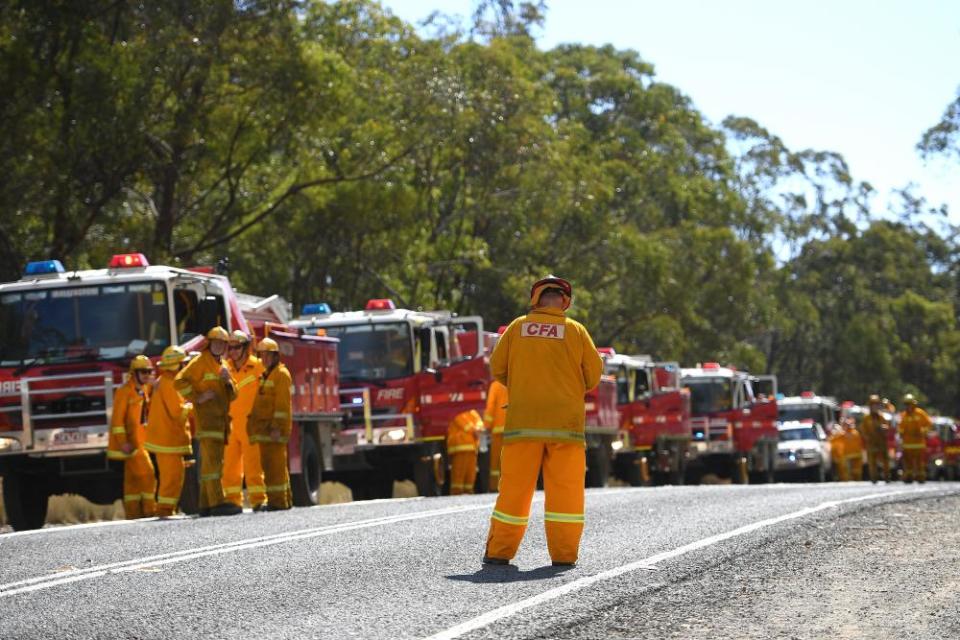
792, 561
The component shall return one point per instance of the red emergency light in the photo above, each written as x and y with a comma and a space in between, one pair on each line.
711, 365
502, 329
128, 261
607, 351
806, 394
380, 304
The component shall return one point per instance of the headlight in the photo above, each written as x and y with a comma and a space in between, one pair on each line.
393, 436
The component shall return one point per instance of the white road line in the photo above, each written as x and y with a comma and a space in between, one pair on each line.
89, 573
506, 611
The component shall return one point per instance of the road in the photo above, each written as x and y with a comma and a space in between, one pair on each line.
661, 562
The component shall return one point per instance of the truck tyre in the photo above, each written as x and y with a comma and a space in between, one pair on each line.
429, 474
678, 465
305, 485
818, 473
598, 467
25, 500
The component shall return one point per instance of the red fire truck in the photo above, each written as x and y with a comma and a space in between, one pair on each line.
66, 338
734, 425
654, 420
404, 375
601, 429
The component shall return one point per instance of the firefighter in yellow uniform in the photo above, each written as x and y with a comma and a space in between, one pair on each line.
270, 423
837, 454
241, 460
875, 428
913, 428
547, 362
206, 382
853, 450
127, 436
494, 419
462, 450
168, 431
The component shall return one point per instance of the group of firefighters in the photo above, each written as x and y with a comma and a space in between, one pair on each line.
238, 407
848, 441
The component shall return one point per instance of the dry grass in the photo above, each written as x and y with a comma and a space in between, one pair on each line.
335, 493
404, 489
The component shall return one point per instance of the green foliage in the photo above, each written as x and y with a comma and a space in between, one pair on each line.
334, 153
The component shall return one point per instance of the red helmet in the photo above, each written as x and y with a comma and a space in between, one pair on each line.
551, 282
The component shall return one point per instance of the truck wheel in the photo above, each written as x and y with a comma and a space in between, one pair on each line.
678, 463
818, 474
25, 499
429, 474
305, 485
483, 473
598, 467
190, 494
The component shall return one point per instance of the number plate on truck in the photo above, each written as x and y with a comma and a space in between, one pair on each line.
69, 437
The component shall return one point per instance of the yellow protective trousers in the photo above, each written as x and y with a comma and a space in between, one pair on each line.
878, 458
276, 475
855, 465
211, 473
170, 467
463, 472
564, 468
496, 445
913, 465
139, 486
241, 462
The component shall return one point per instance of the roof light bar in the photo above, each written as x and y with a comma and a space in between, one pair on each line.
128, 261
43, 267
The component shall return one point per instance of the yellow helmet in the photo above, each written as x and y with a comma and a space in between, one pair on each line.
874, 399
218, 333
239, 337
141, 363
268, 344
909, 399
172, 357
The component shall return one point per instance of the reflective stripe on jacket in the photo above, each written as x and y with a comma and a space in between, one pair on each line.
272, 408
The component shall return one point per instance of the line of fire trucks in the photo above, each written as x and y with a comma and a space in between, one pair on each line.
374, 390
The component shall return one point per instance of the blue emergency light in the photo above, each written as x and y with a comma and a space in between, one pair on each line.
43, 267
315, 309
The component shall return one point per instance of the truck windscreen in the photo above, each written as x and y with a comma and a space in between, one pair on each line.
709, 395
798, 413
373, 351
100, 322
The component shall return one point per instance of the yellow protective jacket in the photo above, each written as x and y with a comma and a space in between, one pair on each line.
202, 374
168, 422
913, 428
247, 377
836, 440
547, 362
495, 414
874, 429
272, 407
853, 444
462, 431
127, 419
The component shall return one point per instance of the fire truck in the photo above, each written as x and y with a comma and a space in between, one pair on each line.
601, 429
404, 375
654, 420
734, 424
947, 429
66, 339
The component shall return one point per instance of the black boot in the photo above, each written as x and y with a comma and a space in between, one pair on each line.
226, 509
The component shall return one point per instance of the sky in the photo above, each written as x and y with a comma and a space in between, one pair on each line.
864, 78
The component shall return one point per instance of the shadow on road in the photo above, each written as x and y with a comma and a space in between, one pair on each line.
509, 573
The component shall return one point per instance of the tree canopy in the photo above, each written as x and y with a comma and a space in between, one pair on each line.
333, 152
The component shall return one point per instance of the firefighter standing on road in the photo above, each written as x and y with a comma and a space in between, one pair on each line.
270, 423
127, 436
853, 449
547, 362
168, 431
837, 453
207, 382
875, 428
913, 427
241, 460
494, 419
462, 449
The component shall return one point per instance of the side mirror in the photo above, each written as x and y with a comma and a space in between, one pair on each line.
437, 374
